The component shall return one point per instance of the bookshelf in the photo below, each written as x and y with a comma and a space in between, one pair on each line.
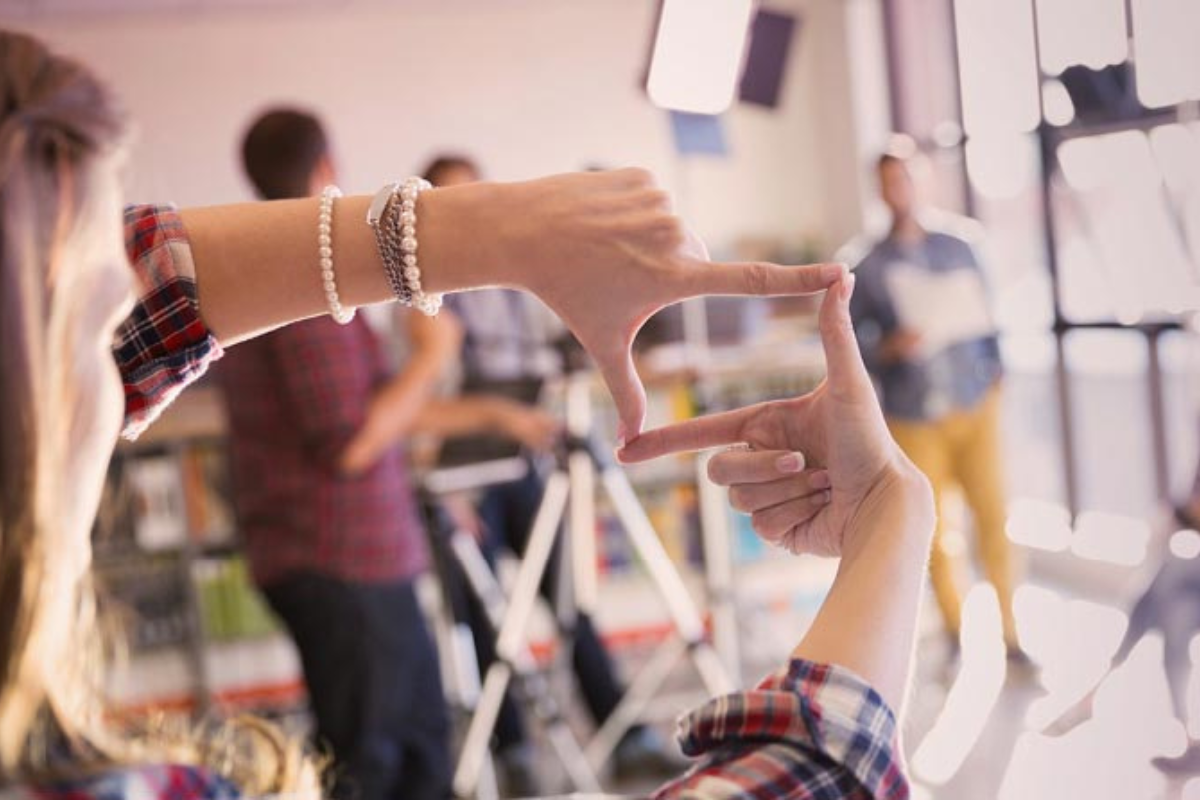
167, 561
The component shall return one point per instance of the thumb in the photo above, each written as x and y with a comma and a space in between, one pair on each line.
625, 385
693, 434
846, 373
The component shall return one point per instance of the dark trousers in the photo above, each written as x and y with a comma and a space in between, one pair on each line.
373, 684
508, 512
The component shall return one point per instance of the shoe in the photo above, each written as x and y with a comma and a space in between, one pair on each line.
1183, 765
1186, 518
1020, 666
643, 754
517, 772
951, 664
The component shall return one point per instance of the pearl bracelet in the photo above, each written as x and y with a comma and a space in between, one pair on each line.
340, 314
395, 225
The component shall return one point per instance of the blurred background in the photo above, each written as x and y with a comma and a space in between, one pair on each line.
1070, 129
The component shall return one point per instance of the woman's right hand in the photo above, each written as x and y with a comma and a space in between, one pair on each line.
837, 427
604, 250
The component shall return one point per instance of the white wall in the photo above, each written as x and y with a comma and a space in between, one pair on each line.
527, 86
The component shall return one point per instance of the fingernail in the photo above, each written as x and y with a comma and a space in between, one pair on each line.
819, 480
790, 462
831, 272
848, 286
827, 497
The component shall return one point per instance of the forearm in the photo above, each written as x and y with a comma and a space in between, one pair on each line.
460, 416
868, 621
257, 265
398, 405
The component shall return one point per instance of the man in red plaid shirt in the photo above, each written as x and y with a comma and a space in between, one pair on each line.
329, 523
335, 554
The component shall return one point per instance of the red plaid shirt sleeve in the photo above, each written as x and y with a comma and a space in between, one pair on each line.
812, 732
163, 345
157, 782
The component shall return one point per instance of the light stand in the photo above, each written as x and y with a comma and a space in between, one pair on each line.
578, 462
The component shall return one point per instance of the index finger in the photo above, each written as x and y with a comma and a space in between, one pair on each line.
760, 278
694, 434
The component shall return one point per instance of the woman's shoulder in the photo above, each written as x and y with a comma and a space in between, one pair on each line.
156, 782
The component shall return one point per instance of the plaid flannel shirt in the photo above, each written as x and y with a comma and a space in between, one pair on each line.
295, 398
163, 345
811, 732
156, 782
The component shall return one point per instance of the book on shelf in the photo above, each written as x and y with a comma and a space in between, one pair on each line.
673, 511
147, 596
207, 494
160, 516
230, 606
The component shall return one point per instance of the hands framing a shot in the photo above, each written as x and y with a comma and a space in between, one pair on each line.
824, 476
815, 464
605, 252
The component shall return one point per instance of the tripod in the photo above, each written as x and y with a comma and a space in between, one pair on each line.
573, 481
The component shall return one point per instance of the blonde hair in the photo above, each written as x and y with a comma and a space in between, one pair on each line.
60, 133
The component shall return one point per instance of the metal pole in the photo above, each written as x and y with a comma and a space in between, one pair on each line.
891, 49
1158, 412
1047, 149
968, 196
1158, 416
718, 567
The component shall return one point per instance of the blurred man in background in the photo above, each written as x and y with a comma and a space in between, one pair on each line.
922, 318
326, 509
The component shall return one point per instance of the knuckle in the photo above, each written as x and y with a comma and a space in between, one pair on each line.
718, 472
739, 499
765, 523
670, 229
641, 176
757, 278
837, 327
658, 198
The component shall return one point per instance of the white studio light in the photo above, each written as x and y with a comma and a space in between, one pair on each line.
697, 58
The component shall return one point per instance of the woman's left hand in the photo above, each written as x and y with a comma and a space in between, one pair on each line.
605, 251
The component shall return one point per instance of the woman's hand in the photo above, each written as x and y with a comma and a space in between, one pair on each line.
837, 428
603, 249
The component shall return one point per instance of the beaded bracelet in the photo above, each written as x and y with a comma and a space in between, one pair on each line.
393, 217
325, 250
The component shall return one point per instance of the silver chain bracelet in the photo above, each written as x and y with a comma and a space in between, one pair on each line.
393, 217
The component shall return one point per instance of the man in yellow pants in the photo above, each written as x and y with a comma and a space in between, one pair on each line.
939, 370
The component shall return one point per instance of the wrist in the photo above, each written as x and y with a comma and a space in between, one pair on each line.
464, 239
898, 512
